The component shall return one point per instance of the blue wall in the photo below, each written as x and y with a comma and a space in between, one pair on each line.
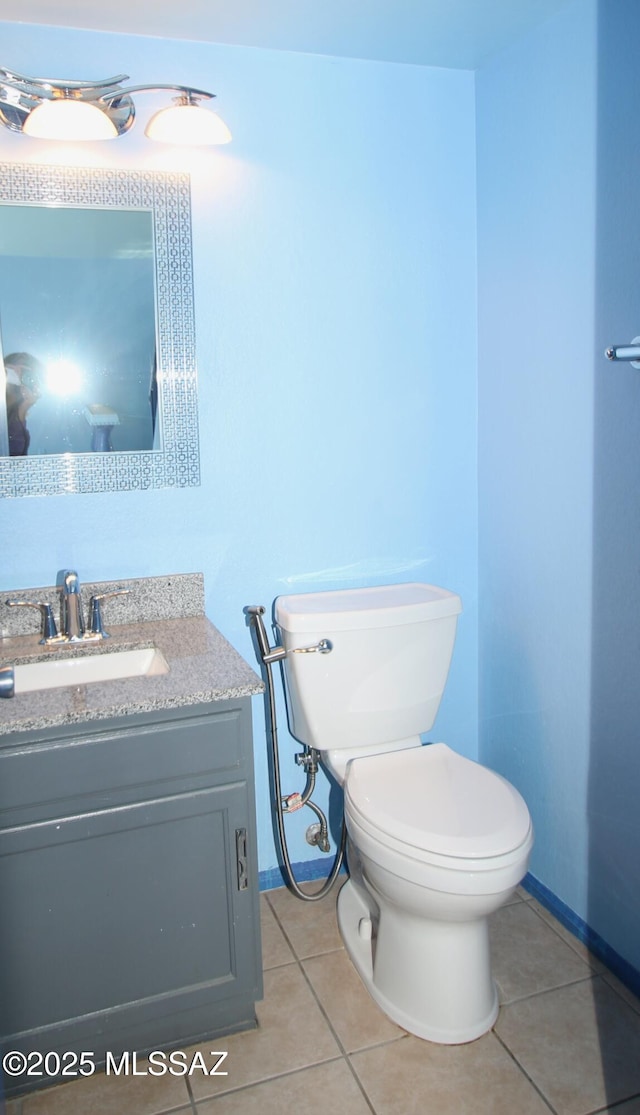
335, 285
559, 454
536, 237
614, 775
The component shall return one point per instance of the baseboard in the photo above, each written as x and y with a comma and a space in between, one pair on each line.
307, 871
626, 973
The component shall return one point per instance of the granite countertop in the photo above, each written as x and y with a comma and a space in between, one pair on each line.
203, 666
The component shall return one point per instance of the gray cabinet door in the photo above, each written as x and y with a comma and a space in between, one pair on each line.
130, 911
129, 915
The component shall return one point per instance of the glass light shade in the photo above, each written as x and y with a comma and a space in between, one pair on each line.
189, 125
65, 118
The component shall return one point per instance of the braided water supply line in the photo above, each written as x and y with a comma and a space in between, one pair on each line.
267, 656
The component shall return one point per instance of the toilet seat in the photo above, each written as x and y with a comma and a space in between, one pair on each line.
431, 804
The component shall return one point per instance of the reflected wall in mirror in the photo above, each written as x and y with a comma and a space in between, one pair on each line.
77, 293
96, 325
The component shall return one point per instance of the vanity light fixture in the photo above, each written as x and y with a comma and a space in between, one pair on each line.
92, 110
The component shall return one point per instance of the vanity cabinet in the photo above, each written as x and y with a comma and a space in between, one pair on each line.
129, 916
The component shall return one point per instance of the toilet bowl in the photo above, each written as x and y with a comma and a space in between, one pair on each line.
436, 842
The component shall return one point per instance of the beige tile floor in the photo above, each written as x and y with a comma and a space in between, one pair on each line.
567, 1039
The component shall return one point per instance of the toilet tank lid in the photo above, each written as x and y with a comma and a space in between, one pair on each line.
357, 608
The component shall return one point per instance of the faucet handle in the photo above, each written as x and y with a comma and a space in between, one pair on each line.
96, 611
49, 629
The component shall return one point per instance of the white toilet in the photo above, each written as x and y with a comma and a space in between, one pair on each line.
436, 841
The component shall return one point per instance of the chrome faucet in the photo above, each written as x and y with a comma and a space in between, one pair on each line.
71, 619
72, 626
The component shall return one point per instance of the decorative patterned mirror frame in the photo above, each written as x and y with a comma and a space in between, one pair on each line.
168, 197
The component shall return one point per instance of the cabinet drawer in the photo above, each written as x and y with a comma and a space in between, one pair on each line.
131, 759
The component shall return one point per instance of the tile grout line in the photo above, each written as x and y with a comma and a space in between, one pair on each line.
590, 978
568, 938
589, 975
524, 1073
192, 1100
550, 990
596, 966
256, 1083
631, 1002
344, 1054
346, 1057
613, 1107
181, 1109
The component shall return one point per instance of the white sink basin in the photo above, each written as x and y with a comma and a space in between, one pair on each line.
56, 672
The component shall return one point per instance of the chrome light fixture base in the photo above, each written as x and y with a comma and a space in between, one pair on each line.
21, 96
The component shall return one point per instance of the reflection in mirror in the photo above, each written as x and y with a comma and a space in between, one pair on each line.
78, 329
96, 331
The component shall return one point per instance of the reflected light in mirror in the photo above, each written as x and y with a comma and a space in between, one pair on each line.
64, 377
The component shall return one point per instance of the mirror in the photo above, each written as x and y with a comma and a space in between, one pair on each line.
96, 331
77, 293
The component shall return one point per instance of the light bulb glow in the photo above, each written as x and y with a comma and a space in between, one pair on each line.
64, 118
187, 125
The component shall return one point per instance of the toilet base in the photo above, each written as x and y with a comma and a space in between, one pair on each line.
432, 978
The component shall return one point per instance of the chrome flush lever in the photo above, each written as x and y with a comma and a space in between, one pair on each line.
325, 646
276, 654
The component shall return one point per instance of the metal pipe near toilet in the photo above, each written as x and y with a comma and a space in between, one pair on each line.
308, 760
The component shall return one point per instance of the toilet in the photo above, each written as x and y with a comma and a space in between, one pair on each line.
436, 842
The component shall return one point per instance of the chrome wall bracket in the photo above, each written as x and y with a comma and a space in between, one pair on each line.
631, 352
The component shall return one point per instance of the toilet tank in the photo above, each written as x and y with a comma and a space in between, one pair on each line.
383, 678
